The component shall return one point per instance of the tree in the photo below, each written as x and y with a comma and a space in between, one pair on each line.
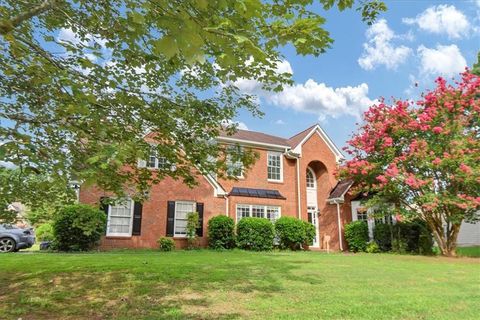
423, 157
476, 66
82, 82
41, 195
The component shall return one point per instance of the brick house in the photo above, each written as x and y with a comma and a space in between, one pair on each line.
292, 177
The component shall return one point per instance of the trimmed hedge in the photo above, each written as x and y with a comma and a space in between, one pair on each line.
382, 234
293, 233
356, 234
78, 227
221, 232
255, 234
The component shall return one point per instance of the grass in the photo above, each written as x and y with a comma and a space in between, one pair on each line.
473, 252
237, 285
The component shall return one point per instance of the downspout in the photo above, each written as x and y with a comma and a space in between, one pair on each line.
298, 190
339, 225
227, 209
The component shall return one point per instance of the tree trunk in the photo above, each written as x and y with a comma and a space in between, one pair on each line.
446, 239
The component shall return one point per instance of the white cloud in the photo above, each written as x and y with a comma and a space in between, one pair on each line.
323, 101
443, 60
442, 19
242, 125
239, 124
311, 97
68, 35
280, 122
478, 3
379, 49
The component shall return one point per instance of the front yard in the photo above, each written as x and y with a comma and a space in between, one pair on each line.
237, 285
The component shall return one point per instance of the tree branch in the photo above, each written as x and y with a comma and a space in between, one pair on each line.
9, 25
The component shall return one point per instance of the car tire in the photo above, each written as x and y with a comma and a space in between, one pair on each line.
7, 245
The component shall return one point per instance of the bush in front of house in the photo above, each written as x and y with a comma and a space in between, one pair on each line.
293, 233
78, 227
44, 232
166, 244
372, 247
356, 234
404, 237
221, 232
310, 233
193, 223
383, 234
255, 234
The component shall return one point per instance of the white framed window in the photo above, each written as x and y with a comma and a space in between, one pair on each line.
182, 209
275, 166
234, 167
258, 211
311, 182
156, 162
362, 214
120, 218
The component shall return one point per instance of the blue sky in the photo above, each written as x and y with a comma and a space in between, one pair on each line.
412, 43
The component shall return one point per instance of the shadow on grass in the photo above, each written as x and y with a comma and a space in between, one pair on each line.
207, 289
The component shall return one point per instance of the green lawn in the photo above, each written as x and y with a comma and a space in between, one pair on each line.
469, 251
237, 285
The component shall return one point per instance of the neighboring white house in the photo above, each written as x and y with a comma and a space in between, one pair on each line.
469, 235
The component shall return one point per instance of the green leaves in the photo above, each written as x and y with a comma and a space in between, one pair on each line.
83, 81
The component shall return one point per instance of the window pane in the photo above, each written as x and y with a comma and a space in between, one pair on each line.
258, 211
243, 211
120, 218
274, 166
273, 213
310, 179
182, 209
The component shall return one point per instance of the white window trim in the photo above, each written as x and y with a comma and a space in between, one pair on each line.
116, 234
281, 166
250, 210
175, 235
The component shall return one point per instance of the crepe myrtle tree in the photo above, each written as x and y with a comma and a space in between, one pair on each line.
423, 157
81, 82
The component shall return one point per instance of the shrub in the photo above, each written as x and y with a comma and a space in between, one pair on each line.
255, 234
166, 244
78, 227
310, 233
221, 232
415, 237
382, 234
356, 234
372, 247
193, 223
44, 232
292, 233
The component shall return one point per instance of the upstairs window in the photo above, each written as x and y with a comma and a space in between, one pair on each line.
274, 166
234, 165
310, 179
156, 162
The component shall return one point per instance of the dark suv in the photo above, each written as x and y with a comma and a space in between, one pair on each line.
13, 238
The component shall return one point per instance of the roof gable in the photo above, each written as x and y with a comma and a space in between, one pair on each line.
305, 135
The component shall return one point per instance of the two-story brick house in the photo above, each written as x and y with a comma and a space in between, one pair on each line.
292, 177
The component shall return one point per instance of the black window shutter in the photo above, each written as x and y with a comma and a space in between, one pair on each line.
104, 207
310, 216
137, 218
200, 219
170, 218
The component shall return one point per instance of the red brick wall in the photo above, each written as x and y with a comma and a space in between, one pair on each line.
154, 213
315, 153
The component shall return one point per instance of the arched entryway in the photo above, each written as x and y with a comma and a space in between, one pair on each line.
312, 203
